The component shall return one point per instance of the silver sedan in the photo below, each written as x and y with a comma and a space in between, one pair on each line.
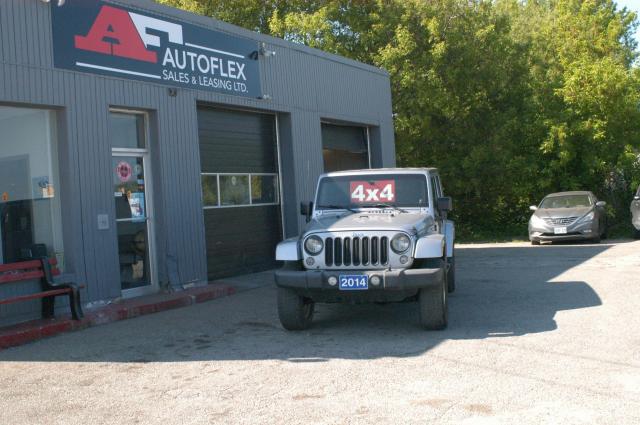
635, 213
568, 216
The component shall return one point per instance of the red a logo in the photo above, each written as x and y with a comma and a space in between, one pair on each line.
114, 33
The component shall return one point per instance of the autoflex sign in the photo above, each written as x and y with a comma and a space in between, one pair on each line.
105, 38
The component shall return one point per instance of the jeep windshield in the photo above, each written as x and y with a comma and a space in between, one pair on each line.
373, 191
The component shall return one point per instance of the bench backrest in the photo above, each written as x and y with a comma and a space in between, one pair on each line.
26, 270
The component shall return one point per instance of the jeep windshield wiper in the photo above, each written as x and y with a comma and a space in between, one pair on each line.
336, 207
382, 205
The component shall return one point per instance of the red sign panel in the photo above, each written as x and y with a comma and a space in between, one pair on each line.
378, 191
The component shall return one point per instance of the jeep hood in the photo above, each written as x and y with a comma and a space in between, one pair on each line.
411, 223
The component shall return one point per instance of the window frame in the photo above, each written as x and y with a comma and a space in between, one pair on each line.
59, 226
251, 203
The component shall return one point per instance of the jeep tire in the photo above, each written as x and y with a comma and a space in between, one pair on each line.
432, 304
451, 274
295, 312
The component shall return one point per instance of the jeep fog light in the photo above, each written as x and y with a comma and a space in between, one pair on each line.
375, 280
400, 243
333, 281
313, 245
404, 259
310, 261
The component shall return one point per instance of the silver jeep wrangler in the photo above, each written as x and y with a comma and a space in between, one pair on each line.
377, 235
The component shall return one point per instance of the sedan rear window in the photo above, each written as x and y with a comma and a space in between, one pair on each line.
566, 201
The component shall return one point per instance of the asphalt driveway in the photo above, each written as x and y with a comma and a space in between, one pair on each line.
546, 334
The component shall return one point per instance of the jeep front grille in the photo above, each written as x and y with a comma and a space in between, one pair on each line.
356, 251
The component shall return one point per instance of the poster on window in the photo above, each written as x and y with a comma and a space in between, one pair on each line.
136, 203
42, 188
379, 191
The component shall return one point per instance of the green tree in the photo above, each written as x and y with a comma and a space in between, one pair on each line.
586, 93
510, 99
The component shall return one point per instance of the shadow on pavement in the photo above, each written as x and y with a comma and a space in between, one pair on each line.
502, 291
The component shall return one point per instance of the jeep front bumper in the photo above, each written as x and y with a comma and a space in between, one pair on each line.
390, 280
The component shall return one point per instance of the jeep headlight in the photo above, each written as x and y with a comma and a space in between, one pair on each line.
400, 243
313, 245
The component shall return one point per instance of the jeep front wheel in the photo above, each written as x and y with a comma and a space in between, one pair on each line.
295, 312
433, 303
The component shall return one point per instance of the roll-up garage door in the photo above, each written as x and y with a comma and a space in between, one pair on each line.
239, 166
344, 147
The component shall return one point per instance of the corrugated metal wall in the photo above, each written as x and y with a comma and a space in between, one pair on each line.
305, 86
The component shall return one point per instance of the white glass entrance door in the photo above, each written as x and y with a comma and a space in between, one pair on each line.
132, 197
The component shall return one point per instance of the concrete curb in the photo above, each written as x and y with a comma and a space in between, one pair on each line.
23, 333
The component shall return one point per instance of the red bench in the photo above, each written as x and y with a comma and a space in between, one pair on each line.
44, 269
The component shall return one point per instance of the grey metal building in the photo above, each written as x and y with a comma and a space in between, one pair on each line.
144, 147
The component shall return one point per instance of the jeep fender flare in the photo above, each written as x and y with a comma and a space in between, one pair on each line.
433, 245
288, 250
430, 246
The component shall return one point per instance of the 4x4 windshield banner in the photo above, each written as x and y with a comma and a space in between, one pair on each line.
103, 38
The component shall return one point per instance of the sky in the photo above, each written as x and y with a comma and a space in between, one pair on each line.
632, 5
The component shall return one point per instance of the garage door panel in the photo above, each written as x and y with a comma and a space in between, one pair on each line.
344, 147
239, 239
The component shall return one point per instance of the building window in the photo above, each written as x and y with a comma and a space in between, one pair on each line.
126, 130
344, 147
30, 210
234, 190
210, 190
264, 189
239, 190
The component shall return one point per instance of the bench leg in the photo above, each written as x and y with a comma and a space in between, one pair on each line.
76, 305
48, 306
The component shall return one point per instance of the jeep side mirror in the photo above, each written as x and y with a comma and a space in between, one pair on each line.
533, 208
445, 204
305, 209
600, 204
